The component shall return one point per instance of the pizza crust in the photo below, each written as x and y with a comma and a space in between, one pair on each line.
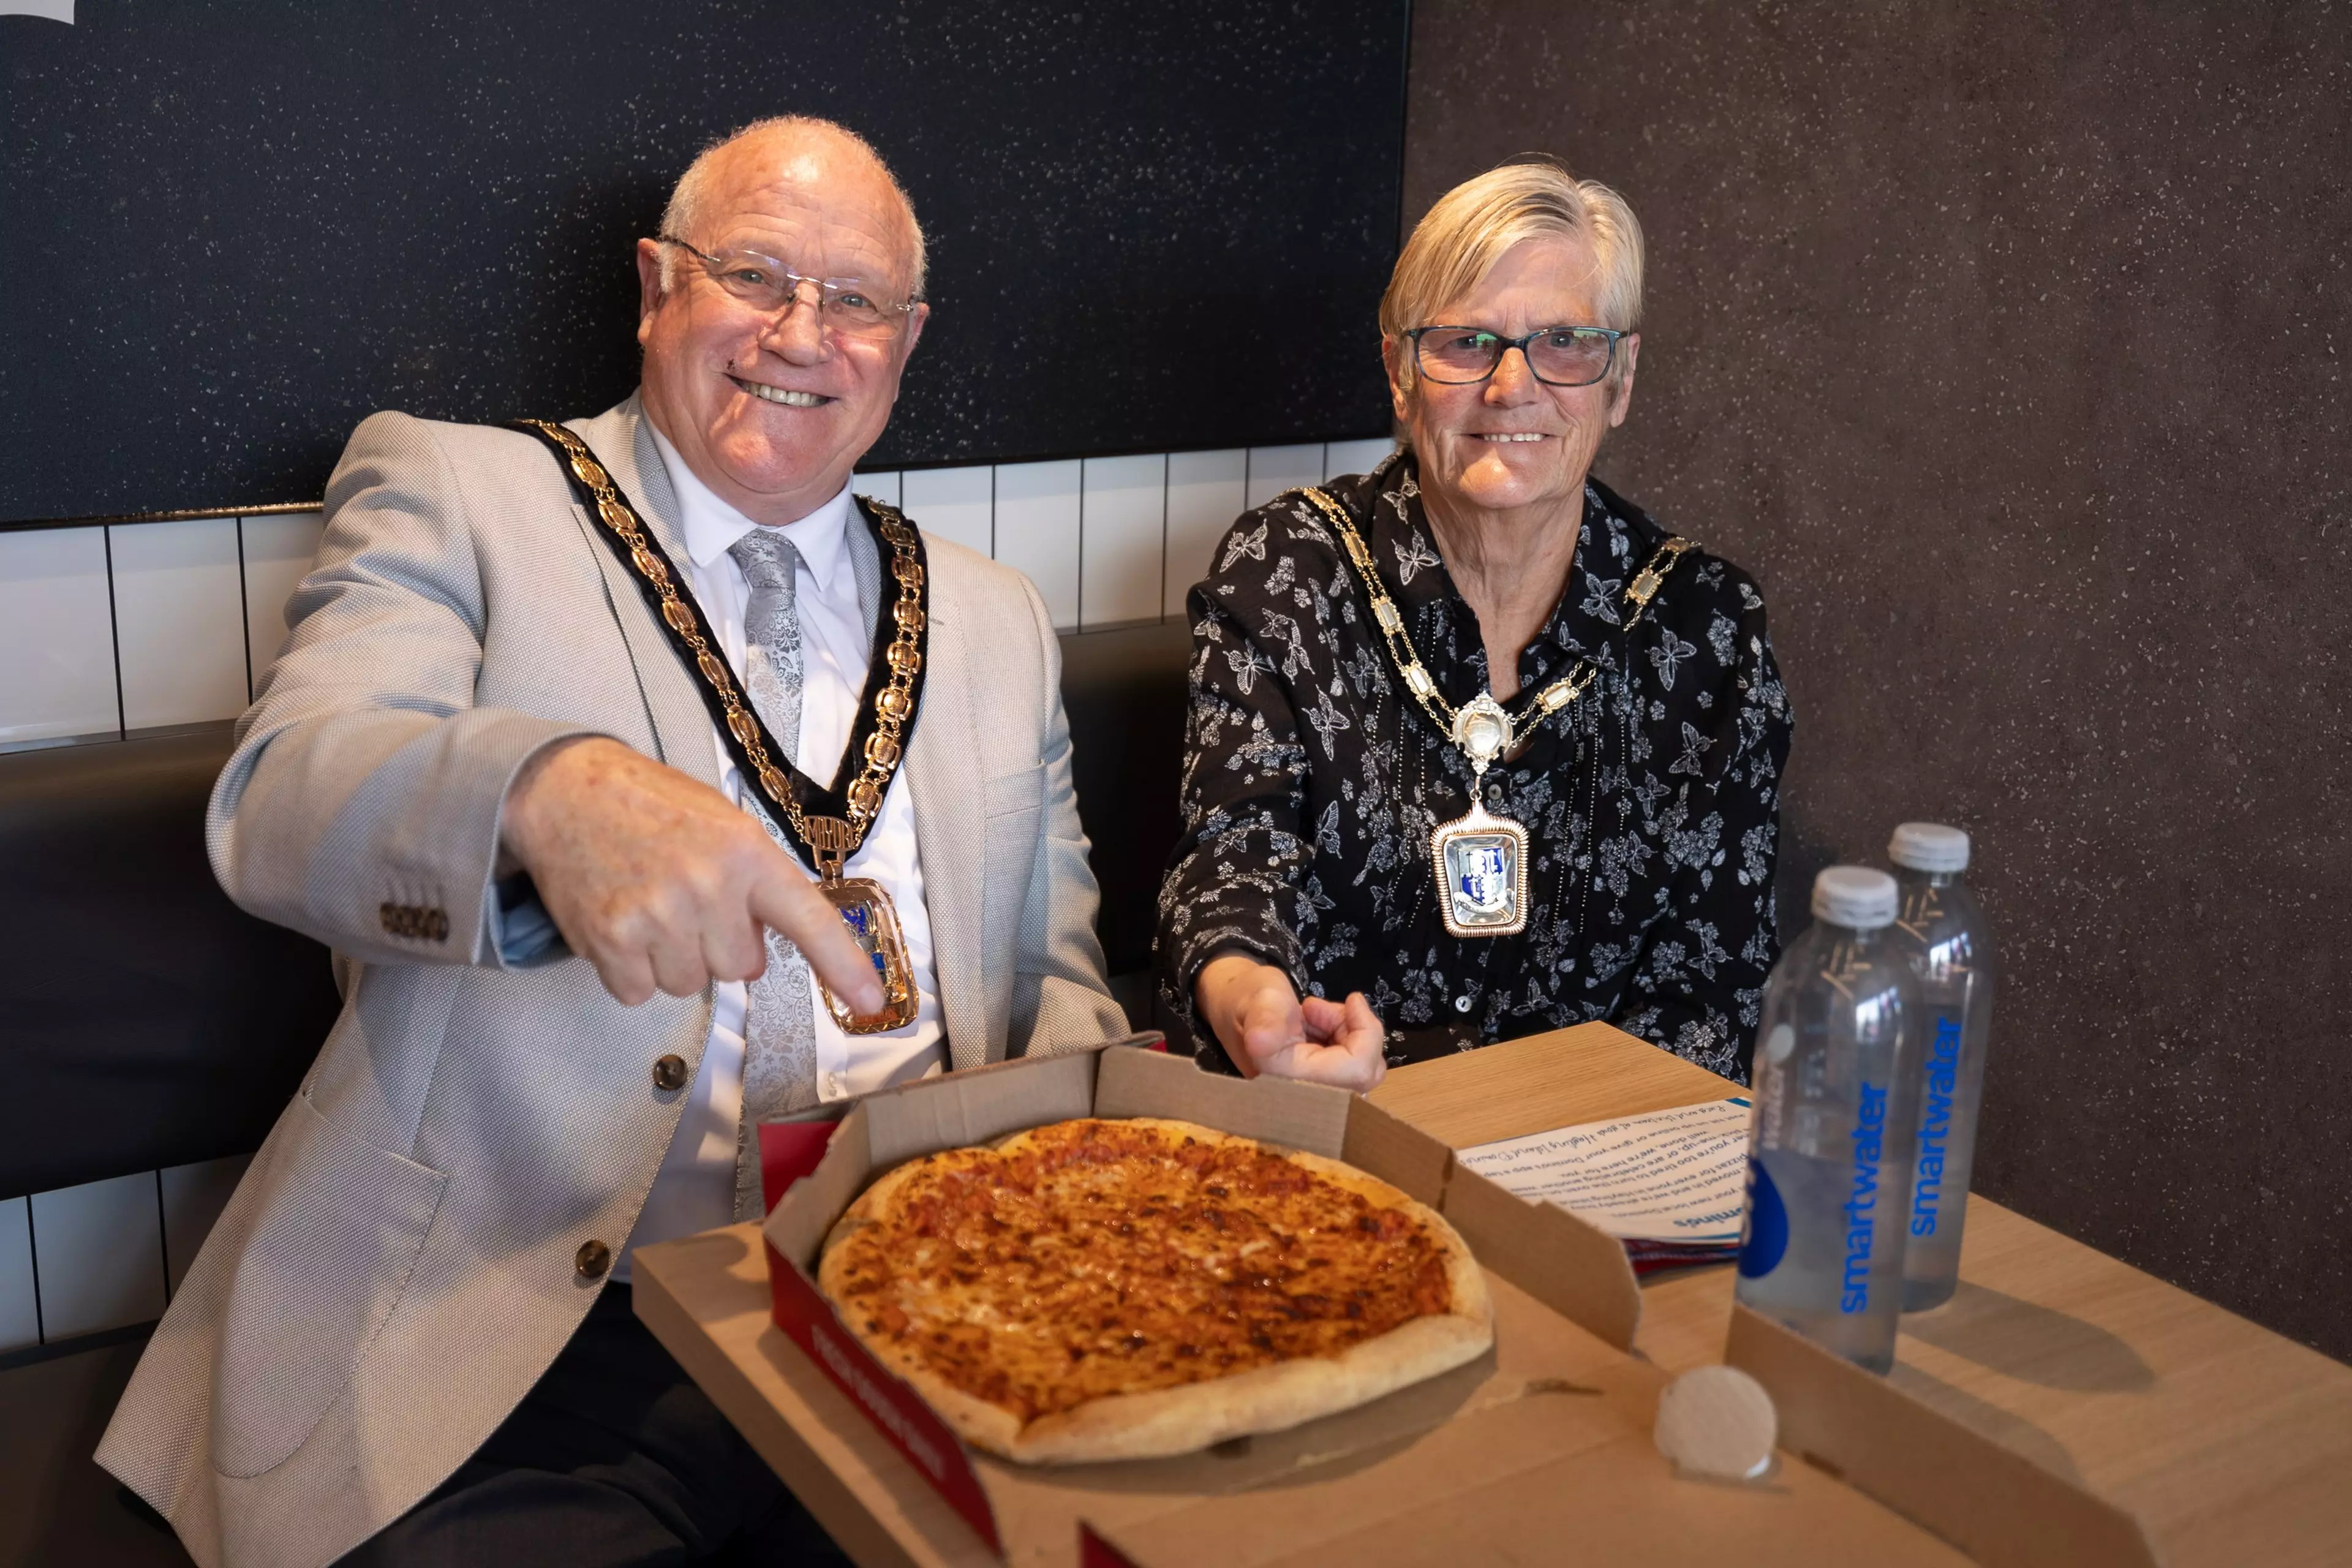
1192, 1415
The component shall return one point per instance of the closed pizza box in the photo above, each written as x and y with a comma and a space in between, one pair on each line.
1532, 1451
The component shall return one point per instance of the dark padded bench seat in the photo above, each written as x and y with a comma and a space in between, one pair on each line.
147, 1022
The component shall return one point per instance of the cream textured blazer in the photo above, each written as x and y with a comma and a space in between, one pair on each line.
397, 1266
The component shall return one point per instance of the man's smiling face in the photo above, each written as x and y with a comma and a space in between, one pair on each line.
772, 410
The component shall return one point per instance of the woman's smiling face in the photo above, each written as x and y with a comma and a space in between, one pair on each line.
1512, 441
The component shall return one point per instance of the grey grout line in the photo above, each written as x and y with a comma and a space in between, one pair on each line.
114, 636
1161, 600
245, 608
992, 511
1082, 541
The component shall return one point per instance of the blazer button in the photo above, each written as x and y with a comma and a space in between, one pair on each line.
593, 1259
669, 1072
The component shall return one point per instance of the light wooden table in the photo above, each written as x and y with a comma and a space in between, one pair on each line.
2229, 1444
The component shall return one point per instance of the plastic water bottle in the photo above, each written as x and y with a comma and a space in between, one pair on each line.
1829, 1146
1944, 935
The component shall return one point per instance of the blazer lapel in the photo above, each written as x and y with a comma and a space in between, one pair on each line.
623, 443
949, 830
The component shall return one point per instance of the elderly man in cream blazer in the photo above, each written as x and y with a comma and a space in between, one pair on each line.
575, 965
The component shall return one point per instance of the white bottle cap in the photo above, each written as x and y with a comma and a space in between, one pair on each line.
1928, 846
1717, 1422
1855, 896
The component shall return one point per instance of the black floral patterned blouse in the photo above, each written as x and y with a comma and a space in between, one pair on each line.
1312, 781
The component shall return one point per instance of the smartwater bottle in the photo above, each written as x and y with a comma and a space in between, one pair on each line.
1829, 1145
1944, 935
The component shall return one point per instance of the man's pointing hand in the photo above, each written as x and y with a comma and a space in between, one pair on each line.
662, 883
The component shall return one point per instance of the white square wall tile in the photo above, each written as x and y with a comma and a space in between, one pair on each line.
1122, 539
1273, 470
20, 1315
883, 487
179, 608
1037, 531
1354, 456
278, 550
100, 1251
1205, 496
193, 1197
958, 504
56, 635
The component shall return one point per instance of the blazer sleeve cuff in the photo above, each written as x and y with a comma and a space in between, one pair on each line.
437, 890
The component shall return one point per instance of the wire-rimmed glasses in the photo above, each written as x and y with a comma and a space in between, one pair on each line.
1557, 356
848, 305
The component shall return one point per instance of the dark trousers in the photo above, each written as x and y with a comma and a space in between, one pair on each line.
613, 1459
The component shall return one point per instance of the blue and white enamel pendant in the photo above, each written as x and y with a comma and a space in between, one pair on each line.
1481, 859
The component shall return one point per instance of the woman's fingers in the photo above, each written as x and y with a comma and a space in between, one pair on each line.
1268, 1029
1349, 1045
1269, 1022
1366, 1040
1337, 1066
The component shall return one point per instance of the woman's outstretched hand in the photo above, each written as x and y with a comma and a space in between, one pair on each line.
1265, 1029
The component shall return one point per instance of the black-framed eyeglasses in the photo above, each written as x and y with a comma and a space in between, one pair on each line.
848, 305
1557, 356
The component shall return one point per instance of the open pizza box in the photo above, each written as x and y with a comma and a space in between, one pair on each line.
1541, 1446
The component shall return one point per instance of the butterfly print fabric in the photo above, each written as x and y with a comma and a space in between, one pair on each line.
1312, 781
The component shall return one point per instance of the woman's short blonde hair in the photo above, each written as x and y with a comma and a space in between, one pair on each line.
1458, 241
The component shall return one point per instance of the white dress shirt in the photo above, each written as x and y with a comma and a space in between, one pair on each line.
695, 1189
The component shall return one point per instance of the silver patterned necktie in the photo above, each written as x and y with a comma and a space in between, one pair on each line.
780, 1024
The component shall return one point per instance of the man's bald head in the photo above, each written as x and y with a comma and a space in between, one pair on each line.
772, 398
763, 145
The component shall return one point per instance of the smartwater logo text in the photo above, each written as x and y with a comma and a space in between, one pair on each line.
1861, 1208
1935, 1125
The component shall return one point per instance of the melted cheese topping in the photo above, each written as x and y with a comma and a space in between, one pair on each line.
1098, 1257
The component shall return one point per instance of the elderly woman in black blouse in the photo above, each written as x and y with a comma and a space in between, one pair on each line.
1477, 748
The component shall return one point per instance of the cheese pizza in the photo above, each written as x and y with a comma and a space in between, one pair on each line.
1119, 1290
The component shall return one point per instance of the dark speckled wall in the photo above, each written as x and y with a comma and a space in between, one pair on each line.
229, 229
2016, 359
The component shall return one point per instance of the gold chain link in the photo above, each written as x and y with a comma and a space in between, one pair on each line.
1417, 679
894, 706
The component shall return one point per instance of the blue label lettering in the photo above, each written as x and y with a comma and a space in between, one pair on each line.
1861, 1209
1935, 1125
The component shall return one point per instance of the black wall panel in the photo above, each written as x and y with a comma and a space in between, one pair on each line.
229, 231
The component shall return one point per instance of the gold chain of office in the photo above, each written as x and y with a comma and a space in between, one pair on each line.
1417, 679
830, 840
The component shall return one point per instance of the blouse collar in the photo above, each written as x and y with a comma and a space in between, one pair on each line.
1589, 615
